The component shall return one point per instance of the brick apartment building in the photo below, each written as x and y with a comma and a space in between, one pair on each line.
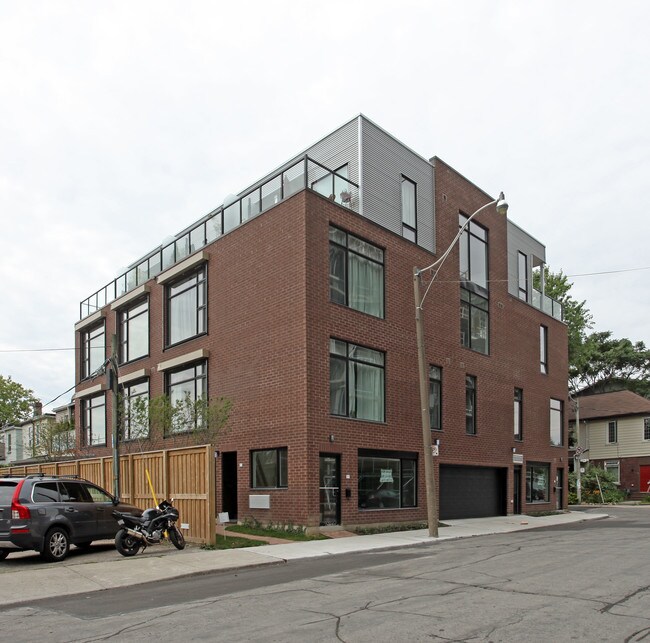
295, 300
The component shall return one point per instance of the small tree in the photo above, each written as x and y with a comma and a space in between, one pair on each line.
592, 492
51, 440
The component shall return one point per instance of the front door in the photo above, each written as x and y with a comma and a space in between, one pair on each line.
229, 484
330, 490
516, 490
559, 489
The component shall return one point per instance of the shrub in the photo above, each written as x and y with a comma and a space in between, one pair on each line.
592, 492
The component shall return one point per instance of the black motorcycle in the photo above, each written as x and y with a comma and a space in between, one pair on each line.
156, 524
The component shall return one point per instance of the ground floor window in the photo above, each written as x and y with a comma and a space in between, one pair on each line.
269, 468
613, 467
537, 478
387, 480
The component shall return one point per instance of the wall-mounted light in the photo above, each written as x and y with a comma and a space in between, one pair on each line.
331, 437
514, 449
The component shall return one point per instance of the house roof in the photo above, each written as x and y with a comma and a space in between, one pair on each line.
605, 405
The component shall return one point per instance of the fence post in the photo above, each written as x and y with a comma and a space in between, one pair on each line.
211, 500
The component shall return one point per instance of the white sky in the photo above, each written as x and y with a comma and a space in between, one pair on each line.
123, 122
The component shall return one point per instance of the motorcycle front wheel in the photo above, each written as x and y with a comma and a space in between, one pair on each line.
177, 538
126, 544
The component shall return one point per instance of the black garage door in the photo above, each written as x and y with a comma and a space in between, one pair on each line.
472, 492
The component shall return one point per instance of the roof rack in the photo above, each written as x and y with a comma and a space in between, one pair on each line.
67, 476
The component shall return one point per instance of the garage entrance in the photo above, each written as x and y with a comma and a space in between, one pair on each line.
472, 492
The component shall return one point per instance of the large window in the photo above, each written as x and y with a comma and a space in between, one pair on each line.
93, 419
135, 409
473, 253
537, 482
387, 480
186, 387
612, 432
470, 405
356, 273
474, 321
409, 209
134, 331
556, 421
519, 414
522, 269
93, 350
269, 468
187, 307
435, 397
543, 349
356, 381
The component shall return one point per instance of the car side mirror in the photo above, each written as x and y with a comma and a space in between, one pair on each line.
115, 502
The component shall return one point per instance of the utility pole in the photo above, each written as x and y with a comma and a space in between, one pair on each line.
578, 455
112, 374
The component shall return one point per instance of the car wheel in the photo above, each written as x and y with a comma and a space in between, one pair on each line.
126, 544
85, 545
3, 554
56, 545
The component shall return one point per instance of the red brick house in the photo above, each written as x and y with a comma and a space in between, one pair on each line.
295, 300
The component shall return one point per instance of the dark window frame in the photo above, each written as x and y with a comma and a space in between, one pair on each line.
86, 337
469, 303
474, 233
409, 231
522, 278
435, 382
612, 432
401, 457
646, 428
126, 416
543, 349
530, 472
281, 467
519, 414
195, 378
555, 411
87, 407
200, 275
124, 319
470, 399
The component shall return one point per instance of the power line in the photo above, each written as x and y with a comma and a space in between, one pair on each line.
33, 350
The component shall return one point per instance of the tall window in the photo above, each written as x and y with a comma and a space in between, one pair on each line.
470, 405
185, 387
519, 415
356, 273
556, 421
537, 479
612, 432
356, 381
646, 428
473, 253
522, 266
435, 397
134, 331
269, 468
474, 321
93, 419
387, 480
409, 209
543, 349
187, 307
93, 350
135, 401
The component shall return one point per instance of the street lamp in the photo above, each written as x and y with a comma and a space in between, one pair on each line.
432, 501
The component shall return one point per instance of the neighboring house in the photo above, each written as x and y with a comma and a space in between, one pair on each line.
295, 300
615, 428
11, 439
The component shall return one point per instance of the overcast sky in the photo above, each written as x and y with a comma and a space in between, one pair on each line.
123, 122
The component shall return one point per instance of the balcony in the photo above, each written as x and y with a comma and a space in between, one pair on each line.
302, 174
546, 304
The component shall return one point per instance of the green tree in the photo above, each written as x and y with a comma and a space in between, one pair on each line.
598, 486
16, 401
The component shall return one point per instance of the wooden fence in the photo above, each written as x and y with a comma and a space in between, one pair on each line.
186, 475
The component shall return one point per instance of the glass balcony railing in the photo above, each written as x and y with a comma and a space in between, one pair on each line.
547, 305
305, 173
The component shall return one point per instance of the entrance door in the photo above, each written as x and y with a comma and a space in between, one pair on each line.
330, 490
229, 484
516, 490
559, 489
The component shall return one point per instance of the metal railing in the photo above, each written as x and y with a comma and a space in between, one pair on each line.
304, 173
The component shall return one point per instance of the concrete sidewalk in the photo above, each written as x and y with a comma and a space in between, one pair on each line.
20, 583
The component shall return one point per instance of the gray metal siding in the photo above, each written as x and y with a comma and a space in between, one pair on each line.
520, 241
338, 148
384, 162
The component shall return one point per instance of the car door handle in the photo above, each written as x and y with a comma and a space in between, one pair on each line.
70, 510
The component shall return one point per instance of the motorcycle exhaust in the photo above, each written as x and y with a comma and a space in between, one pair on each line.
136, 534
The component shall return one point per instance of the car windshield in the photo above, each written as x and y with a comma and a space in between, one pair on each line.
6, 492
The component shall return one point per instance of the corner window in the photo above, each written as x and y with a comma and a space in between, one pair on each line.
522, 269
435, 397
409, 209
518, 417
612, 432
134, 331
356, 381
470, 405
269, 468
93, 350
356, 273
93, 420
474, 321
187, 307
135, 411
387, 481
543, 349
537, 479
556, 420
185, 387
614, 469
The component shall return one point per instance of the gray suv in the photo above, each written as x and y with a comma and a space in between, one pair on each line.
49, 513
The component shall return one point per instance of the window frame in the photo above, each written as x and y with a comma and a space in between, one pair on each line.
349, 253
612, 431
126, 415
393, 456
522, 278
543, 349
556, 412
200, 275
281, 466
473, 234
196, 377
519, 414
409, 232
87, 335
87, 419
467, 304
471, 393
349, 361
646, 428
530, 470
124, 320
608, 465
435, 381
